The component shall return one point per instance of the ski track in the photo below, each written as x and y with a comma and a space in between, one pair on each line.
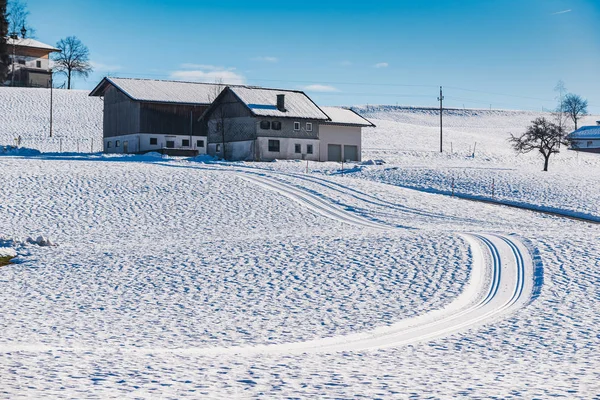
507, 260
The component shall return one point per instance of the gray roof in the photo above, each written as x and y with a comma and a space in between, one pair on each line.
344, 116
263, 102
586, 132
156, 91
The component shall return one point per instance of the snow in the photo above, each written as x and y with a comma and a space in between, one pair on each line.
343, 116
25, 113
297, 104
27, 42
193, 278
587, 132
163, 91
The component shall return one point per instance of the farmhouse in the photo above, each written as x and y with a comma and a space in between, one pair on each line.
235, 122
586, 138
252, 123
29, 63
142, 115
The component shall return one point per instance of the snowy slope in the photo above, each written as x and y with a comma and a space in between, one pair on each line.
25, 112
178, 278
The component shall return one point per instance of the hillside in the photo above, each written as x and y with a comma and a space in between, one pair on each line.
25, 112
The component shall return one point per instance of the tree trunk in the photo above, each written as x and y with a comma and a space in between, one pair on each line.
575, 120
546, 159
69, 79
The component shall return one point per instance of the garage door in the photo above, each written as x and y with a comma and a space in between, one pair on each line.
334, 152
350, 153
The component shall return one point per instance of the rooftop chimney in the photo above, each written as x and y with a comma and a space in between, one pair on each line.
281, 102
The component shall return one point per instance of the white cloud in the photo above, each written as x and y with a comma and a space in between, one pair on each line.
266, 59
381, 65
320, 88
98, 66
227, 76
561, 12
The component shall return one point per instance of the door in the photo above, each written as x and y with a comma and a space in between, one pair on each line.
125, 147
334, 152
350, 153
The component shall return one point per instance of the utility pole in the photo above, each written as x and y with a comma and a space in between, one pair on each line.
441, 100
51, 85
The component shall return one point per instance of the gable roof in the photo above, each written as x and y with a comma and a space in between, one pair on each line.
586, 132
30, 43
263, 103
345, 116
155, 91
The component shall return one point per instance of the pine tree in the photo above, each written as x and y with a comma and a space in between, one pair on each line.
4, 60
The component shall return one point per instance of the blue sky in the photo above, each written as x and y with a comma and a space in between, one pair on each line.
503, 53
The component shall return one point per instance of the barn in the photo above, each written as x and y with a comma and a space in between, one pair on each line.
142, 115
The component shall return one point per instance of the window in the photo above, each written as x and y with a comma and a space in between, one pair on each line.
274, 146
170, 144
309, 149
22, 62
309, 127
265, 125
118, 143
200, 143
296, 126
218, 148
589, 143
185, 143
276, 125
153, 141
298, 148
38, 64
108, 144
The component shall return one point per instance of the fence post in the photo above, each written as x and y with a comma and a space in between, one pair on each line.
452, 187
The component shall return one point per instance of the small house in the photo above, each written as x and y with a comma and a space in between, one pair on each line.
586, 138
29, 63
341, 137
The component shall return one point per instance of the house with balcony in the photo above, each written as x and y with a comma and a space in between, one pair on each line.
29, 63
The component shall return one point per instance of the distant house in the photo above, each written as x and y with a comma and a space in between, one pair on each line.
253, 123
586, 138
29, 63
234, 122
142, 115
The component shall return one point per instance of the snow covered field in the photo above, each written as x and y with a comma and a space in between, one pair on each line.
77, 119
177, 278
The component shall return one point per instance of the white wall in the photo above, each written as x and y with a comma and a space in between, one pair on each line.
342, 135
140, 143
287, 149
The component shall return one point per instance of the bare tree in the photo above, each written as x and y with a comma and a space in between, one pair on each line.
17, 19
575, 107
543, 136
4, 60
560, 116
73, 59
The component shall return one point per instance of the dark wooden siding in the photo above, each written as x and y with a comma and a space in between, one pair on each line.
121, 114
172, 119
231, 115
